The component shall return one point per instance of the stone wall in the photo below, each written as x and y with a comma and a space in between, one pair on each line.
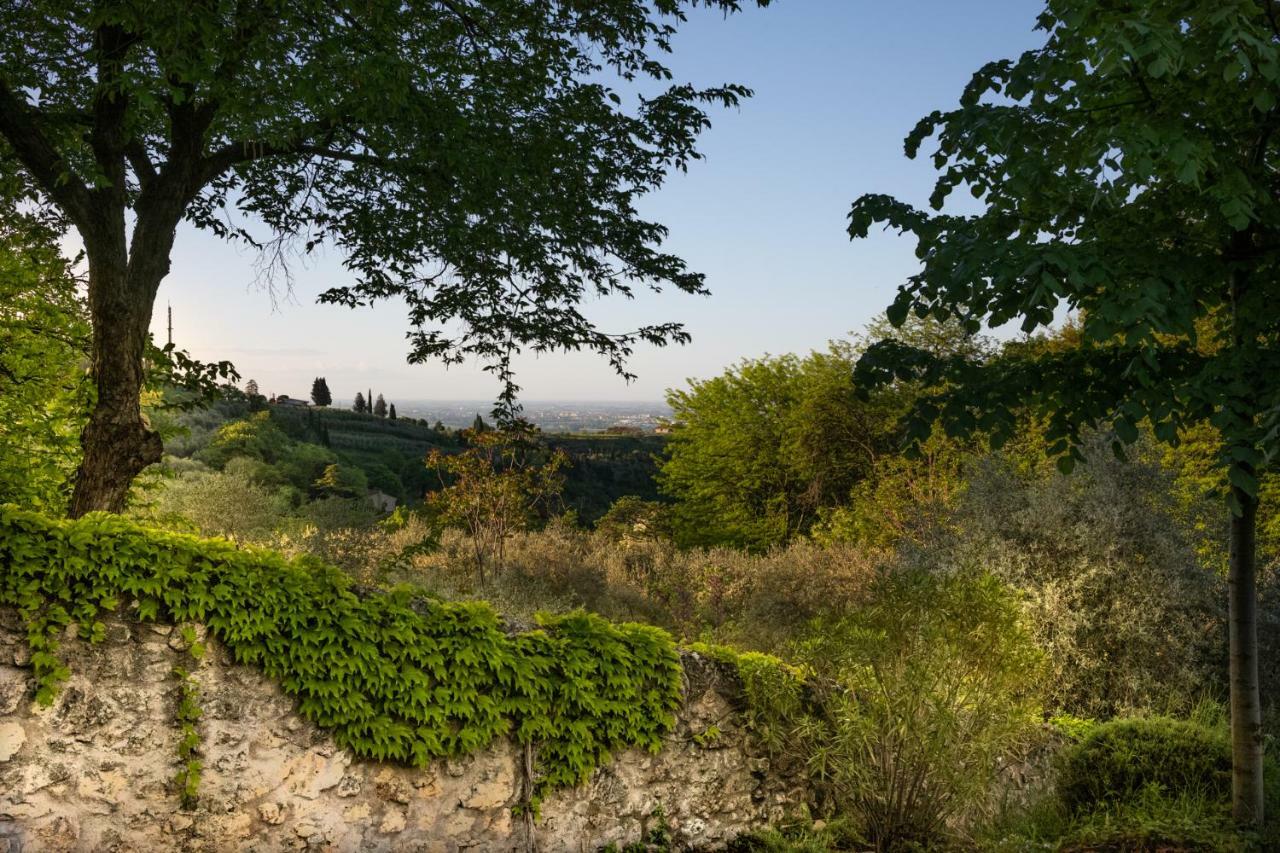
95, 771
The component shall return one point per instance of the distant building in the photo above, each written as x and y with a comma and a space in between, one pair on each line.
286, 400
662, 429
382, 501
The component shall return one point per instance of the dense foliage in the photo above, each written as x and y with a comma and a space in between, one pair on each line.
1107, 564
1118, 759
1126, 169
394, 677
758, 451
480, 162
937, 681
44, 342
784, 446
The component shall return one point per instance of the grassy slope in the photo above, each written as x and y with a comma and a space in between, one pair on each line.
605, 467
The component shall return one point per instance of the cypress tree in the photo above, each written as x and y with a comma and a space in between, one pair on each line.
320, 392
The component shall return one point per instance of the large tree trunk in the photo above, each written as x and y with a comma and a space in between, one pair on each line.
117, 442
1246, 705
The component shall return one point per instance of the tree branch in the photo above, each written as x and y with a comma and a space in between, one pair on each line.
141, 163
111, 43
19, 126
247, 150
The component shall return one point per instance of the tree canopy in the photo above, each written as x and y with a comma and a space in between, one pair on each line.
760, 450
320, 393
480, 161
1126, 171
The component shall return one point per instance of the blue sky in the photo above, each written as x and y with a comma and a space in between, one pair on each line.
838, 84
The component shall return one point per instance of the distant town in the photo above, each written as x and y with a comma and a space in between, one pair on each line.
549, 415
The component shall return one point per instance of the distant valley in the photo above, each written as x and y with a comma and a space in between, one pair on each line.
549, 415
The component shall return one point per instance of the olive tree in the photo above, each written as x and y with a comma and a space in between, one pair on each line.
478, 160
1127, 170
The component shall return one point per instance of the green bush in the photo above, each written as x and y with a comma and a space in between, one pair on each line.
1120, 759
933, 684
393, 676
1113, 589
1149, 821
1139, 784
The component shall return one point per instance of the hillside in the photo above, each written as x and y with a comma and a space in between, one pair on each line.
391, 453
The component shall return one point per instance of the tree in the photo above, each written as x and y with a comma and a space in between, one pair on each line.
256, 437
257, 402
380, 407
359, 405
342, 125
44, 349
342, 481
391, 412
320, 392
1127, 170
492, 488
478, 425
763, 448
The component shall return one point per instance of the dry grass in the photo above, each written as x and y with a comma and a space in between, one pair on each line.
753, 601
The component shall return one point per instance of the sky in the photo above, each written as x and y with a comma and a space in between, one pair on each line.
838, 84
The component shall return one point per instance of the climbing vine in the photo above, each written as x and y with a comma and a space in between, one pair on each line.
773, 690
393, 676
188, 715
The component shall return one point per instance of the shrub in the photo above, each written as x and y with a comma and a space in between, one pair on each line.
1114, 591
754, 601
1120, 759
1141, 784
255, 436
233, 502
934, 683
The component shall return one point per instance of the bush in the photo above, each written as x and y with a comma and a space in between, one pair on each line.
1144, 784
233, 502
758, 602
934, 684
1120, 759
1114, 590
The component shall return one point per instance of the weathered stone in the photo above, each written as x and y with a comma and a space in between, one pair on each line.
12, 737
392, 821
13, 688
271, 813
95, 771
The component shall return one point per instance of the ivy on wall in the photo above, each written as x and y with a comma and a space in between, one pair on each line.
774, 692
394, 677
